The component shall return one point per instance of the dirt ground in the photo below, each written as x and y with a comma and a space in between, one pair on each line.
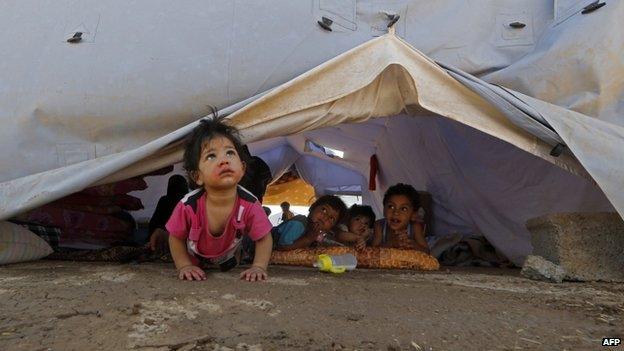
57, 305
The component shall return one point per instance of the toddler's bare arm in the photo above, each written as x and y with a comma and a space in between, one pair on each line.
264, 247
258, 269
182, 261
347, 237
304, 241
377, 234
419, 239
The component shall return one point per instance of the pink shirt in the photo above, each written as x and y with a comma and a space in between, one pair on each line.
189, 222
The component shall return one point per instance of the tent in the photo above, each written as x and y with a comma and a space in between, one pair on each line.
488, 177
482, 151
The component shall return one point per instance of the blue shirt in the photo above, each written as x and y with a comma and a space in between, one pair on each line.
291, 230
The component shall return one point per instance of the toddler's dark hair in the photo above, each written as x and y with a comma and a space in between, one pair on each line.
207, 129
334, 202
360, 210
403, 189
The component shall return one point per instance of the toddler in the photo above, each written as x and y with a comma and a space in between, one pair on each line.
401, 227
301, 231
358, 227
209, 223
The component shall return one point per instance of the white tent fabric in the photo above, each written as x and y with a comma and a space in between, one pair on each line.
62, 103
320, 171
516, 110
145, 68
577, 63
25, 193
386, 77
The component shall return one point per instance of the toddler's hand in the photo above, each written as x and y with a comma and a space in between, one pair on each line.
254, 273
367, 233
316, 232
191, 273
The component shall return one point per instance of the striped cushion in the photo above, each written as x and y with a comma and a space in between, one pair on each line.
18, 244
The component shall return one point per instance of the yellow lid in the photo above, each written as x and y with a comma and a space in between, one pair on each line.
325, 264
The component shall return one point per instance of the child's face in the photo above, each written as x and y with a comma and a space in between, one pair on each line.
398, 212
324, 216
359, 225
220, 167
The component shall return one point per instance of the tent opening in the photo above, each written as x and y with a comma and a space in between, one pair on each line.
476, 185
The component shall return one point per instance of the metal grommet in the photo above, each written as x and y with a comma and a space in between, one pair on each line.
75, 38
593, 7
393, 19
325, 23
517, 25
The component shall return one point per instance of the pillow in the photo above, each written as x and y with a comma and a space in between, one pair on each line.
18, 244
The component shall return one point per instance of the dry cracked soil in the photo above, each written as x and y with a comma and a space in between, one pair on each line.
58, 305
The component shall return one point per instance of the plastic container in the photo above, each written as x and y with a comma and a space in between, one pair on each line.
336, 263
